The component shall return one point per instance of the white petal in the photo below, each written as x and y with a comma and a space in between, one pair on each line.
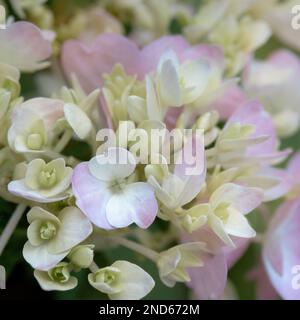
115, 164
19, 189
78, 120
168, 79
37, 213
243, 199
136, 203
237, 225
154, 108
40, 258
218, 228
196, 75
137, 109
136, 282
75, 228
47, 284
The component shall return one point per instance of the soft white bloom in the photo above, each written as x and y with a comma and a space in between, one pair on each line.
56, 279
225, 211
122, 281
177, 188
180, 84
32, 125
106, 193
173, 263
50, 237
43, 182
78, 120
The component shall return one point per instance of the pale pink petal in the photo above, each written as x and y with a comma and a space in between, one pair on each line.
172, 117
280, 189
243, 199
191, 168
92, 195
206, 51
285, 59
136, 203
209, 281
90, 62
229, 101
234, 254
49, 110
151, 54
264, 288
294, 167
281, 251
280, 19
24, 46
253, 113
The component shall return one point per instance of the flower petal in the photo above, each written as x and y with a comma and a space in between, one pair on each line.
114, 164
136, 282
91, 195
40, 258
24, 47
74, 228
48, 285
90, 62
243, 199
136, 203
78, 120
19, 189
208, 282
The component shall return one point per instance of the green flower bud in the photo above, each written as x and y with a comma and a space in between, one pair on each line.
82, 256
60, 273
57, 278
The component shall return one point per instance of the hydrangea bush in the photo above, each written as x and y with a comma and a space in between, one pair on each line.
149, 145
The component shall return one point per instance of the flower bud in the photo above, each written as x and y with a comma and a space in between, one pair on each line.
82, 256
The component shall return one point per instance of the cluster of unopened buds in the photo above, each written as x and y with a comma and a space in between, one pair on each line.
167, 145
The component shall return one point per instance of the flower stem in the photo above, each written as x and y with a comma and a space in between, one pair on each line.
148, 253
93, 267
11, 226
64, 140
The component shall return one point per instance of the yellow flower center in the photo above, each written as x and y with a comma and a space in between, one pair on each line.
35, 141
47, 230
47, 178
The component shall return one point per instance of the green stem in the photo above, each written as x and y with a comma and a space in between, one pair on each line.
11, 226
93, 267
134, 246
64, 140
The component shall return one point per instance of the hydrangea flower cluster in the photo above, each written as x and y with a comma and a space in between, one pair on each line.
165, 144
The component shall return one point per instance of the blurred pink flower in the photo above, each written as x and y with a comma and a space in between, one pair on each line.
253, 113
209, 281
281, 254
24, 46
90, 62
274, 82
